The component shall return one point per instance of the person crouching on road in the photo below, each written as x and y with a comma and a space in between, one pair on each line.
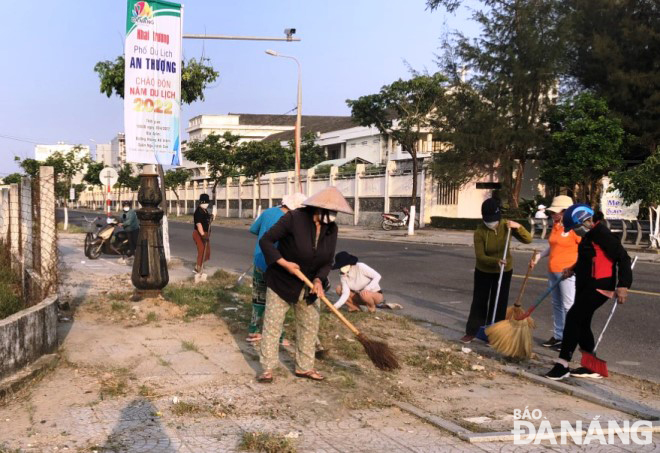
359, 283
306, 240
131, 225
202, 220
562, 253
264, 222
489, 244
600, 258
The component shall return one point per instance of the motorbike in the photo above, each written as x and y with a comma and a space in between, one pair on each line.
395, 221
109, 239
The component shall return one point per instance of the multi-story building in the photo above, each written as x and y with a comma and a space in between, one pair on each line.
43, 152
118, 150
104, 154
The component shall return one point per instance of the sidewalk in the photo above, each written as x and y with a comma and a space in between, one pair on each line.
177, 375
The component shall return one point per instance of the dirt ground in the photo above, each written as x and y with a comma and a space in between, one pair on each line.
176, 374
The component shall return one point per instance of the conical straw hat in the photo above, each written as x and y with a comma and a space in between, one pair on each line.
329, 198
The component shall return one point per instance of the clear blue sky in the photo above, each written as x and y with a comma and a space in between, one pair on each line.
49, 92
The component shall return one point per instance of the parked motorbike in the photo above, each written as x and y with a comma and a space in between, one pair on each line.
109, 239
395, 221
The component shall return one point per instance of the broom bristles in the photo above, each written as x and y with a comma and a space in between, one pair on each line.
512, 337
380, 353
593, 363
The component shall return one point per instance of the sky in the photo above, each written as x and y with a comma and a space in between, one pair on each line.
49, 91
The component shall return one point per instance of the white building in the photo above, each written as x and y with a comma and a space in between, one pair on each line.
43, 152
118, 150
104, 154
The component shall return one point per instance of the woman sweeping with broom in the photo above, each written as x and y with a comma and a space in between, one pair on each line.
306, 239
600, 258
490, 243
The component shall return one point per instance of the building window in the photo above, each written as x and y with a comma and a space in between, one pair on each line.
446, 193
377, 140
364, 143
353, 145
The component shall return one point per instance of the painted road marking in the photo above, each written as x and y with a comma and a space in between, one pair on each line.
633, 291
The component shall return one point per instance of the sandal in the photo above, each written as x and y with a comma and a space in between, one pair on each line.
311, 374
266, 377
253, 337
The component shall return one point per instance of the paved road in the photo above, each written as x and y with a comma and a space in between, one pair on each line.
434, 283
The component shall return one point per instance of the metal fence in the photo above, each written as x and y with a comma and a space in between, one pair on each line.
29, 231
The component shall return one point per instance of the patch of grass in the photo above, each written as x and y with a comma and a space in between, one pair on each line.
343, 380
5, 449
145, 391
437, 362
115, 383
152, 316
266, 443
189, 346
119, 296
199, 299
11, 300
182, 408
351, 350
118, 306
74, 229
163, 362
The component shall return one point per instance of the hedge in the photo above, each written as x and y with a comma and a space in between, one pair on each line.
452, 223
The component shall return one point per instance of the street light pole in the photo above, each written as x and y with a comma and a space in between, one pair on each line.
298, 133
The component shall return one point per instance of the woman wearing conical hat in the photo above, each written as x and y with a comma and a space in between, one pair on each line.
306, 239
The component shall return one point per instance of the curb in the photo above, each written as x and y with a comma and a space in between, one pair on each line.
507, 436
23, 377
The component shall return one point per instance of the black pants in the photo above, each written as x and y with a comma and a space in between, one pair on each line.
132, 241
577, 330
483, 299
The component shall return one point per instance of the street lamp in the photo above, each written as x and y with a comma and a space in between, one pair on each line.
273, 53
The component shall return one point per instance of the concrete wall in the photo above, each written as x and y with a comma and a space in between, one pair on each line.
27, 335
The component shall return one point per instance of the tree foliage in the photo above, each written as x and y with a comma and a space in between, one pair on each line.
403, 110
584, 144
255, 158
92, 175
13, 178
218, 153
195, 77
126, 179
640, 183
176, 178
65, 166
494, 112
614, 48
310, 153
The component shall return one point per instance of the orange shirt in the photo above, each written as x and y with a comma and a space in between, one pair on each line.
563, 249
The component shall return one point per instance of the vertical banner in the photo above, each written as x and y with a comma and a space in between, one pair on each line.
152, 82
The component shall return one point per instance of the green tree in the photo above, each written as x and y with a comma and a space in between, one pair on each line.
642, 183
175, 179
256, 158
195, 77
310, 153
584, 144
614, 48
403, 110
29, 166
218, 153
126, 180
13, 178
92, 176
502, 84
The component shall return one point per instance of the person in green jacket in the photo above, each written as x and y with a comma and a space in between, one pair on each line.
489, 243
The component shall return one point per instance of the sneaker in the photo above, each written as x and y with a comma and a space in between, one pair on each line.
467, 339
556, 346
583, 372
558, 372
551, 342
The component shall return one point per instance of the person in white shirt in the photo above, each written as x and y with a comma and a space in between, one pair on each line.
540, 214
359, 283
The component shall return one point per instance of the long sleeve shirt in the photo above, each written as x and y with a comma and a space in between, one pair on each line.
295, 236
130, 221
489, 246
264, 222
359, 277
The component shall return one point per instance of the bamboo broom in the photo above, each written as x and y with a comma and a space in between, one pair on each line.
380, 353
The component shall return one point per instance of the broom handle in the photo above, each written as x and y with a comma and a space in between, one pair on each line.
609, 318
206, 244
524, 283
332, 308
499, 283
531, 309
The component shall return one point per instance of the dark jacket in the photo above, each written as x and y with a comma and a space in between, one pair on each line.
201, 216
296, 234
600, 255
